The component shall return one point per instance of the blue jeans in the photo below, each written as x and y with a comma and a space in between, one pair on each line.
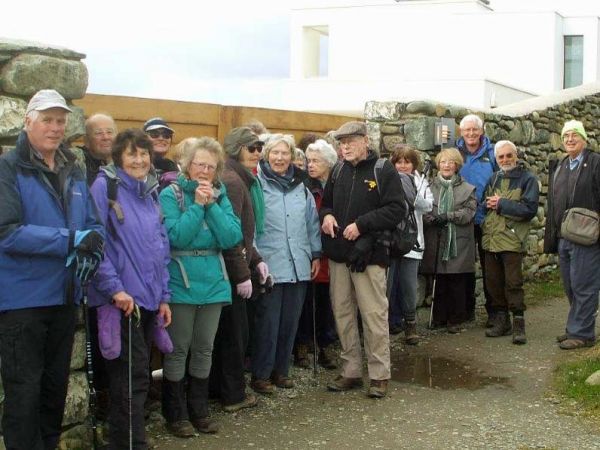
403, 290
579, 266
276, 319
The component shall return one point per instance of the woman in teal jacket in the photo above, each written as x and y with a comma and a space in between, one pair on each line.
200, 223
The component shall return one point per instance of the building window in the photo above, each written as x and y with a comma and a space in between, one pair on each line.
573, 61
315, 51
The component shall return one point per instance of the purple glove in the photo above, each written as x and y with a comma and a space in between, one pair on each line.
244, 289
162, 340
109, 331
263, 272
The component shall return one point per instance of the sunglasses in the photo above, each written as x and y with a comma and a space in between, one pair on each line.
254, 148
155, 134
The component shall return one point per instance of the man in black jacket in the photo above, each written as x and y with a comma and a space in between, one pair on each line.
575, 183
354, 211
100, 133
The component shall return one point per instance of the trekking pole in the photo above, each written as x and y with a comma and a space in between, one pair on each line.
130, 382
435, 270
314, 325
89, 368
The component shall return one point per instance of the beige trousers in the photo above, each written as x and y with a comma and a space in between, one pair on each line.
365, 291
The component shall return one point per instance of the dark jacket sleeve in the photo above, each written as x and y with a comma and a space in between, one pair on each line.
392, 204
235, 259
526, 207
327, 201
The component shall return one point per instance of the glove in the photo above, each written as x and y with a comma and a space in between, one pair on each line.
263, 272
440, 220
89, 241
244, 289
359, 256
86, 265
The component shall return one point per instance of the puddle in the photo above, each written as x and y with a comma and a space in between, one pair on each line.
441, 373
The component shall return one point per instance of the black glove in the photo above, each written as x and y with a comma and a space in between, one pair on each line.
86, 265
359, 256
89, 241
440, 220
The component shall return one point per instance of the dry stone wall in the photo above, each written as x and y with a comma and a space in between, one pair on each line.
535, 130
25, 68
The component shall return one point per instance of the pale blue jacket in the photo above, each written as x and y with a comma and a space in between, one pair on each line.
292, 237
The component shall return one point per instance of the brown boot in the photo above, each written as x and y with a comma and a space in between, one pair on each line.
301, 357
378, 388
327, 358
342, 383
519, 336
410, 333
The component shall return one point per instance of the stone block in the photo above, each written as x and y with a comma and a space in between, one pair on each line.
17, 46
26, 74
78, 353
76, 406
390, 129
419, 132
516, 134
390, 141
494, 132
382, 111
555, 141
12, 116
374, 134
75, 124
457, 112
421, 107
593, 379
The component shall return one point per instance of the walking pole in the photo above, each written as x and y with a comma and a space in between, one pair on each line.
130, 382
89, 368
435, 270
314, 324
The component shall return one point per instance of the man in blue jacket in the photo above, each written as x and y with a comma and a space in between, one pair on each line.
50, 241
480, 163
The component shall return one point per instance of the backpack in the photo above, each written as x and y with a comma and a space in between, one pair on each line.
404, 237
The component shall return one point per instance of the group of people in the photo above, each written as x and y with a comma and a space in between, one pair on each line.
224, 258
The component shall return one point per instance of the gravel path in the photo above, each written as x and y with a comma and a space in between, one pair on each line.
485, 394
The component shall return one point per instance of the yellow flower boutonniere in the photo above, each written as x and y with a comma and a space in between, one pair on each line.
371, 183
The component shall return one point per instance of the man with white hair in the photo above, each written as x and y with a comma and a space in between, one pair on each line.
480, 163
100, 133
511, 200
574, 184
51, 241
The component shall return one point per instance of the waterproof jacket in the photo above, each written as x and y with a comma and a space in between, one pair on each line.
136, 252
462, 216
478, 169
291, 239
506, 228
316, 189
423, 203
353, 196
36, 224
585, 195
199, 279
244, 257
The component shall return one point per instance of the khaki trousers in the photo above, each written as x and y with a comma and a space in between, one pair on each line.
365, 291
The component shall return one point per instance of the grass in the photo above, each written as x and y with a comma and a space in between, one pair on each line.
569, 381
543, 287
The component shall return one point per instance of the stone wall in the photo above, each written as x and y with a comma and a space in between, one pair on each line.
25, 68
534, 127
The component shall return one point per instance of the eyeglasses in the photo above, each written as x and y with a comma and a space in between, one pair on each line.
568, 136
165, 134
104, 132
204, 167
254, 148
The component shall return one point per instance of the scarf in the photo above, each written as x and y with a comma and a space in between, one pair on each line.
258, 205
446, 205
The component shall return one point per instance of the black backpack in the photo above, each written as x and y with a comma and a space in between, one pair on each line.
402, 239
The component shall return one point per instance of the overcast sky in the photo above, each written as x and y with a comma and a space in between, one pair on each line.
167, 49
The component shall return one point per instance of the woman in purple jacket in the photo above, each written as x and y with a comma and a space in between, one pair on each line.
131, 283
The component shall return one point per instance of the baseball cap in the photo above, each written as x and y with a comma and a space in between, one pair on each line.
46, 99
156, 123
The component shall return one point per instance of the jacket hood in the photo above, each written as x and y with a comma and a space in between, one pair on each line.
23, 147
143, 188
265, 169
484, 148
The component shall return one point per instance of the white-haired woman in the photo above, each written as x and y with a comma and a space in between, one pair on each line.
321, 157
200, 223
291, 247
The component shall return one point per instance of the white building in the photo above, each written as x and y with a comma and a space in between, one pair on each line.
468, 52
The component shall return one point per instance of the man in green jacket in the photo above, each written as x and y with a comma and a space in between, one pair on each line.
511, 200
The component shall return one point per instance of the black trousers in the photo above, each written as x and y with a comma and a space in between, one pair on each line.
118, 374
471, 299
35, 350
227, 379
324, 320
451, 291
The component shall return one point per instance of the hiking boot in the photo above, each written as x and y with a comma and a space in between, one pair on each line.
562, 337
489, 323
262, 386
206, 425
378, 388
327, 358
519, 337
572, 343
282, 382
249, 401
453, 328
410, 333
301, 357
395, 329
501, 325
181, 429
342, 383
